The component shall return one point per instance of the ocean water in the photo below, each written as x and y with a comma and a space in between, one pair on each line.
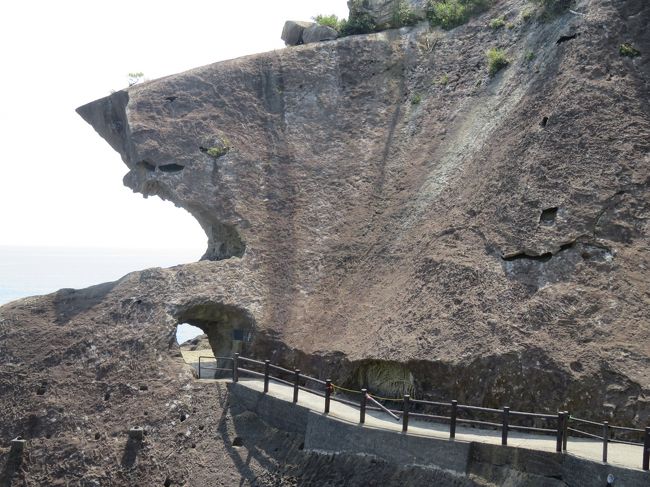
29, 271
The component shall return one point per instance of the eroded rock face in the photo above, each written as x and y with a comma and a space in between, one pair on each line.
293, 30
383, 200
368, 210
319, 33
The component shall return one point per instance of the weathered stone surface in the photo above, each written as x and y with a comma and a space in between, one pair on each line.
383, 11
457, 234
318, 33
292, 31
349, 226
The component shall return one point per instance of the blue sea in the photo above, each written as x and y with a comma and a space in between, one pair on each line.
29, 271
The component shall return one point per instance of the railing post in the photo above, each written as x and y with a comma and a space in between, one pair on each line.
296, 386
646, 449
605, 440
560, 430
565, 431
199, 366
328, 393
362, 411
505, 425
267, 370
235, 365
452, 421
405, 415
17, 446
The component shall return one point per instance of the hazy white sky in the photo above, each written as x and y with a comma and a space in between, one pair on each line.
60, 183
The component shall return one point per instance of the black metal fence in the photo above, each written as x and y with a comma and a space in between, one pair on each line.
558, 425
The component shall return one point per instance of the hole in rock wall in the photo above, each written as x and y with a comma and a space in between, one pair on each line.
548, 216
567, 38
544, 121
223, 330
388, 379
171, 168
224, 242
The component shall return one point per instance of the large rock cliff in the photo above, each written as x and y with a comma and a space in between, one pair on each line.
381, 203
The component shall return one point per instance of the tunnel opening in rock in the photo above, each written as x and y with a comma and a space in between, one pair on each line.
186, 333
227, 328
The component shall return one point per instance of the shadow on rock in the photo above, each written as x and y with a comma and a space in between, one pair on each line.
11, 468
133, 446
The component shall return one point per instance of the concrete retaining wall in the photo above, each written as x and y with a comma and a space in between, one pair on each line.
503, 466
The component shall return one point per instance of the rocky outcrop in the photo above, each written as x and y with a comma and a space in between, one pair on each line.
319, 33
383, 199
293, 30
383, 205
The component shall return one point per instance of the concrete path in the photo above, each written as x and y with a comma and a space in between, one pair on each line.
621, 455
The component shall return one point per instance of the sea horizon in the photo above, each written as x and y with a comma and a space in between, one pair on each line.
37, 270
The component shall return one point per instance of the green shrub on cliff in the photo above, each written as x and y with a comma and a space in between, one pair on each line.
403, 15
452, 13
359, 23
497, 60
497, 23
628, 50
221, 149
329, 21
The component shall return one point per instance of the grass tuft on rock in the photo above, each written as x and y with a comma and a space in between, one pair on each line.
452, 13
497, 23
628, 50
219, 150
497, 60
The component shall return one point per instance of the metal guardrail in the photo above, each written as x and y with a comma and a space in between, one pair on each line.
560, 421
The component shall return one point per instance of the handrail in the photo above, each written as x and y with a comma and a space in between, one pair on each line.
216, 359
282, 369
475, 421
252, 372
534, 415
586, 434
531, 428
562, 418
585, 421
432, 403
479, 408
253, 361
625, 428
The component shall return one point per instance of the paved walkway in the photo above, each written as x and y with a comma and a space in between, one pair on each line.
621, 455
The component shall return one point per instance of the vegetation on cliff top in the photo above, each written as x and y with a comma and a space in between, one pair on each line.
444, 13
